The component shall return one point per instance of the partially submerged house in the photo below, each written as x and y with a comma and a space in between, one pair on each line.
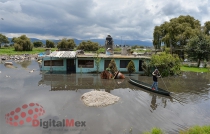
77, 62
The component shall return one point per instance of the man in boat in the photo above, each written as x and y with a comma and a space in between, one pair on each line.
155, 75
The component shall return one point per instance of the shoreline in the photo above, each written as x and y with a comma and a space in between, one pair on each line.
5, 57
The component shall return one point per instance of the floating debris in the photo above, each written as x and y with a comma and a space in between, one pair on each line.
99, 98
31, 71
9, 66
8, 63
108, 75
7, 76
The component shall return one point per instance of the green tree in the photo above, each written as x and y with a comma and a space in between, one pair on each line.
3, 39
22, 43
38, 44
97, 61
50, 44
167, 64
13, 41
134, 47
88, 46
176, 33
198, 48
112, 66
131, 67
207, 28
157, 35
66, 43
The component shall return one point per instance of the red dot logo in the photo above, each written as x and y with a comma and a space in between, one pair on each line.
24, 114
17, 110
12, 113
16, 117
24, 106
30, 111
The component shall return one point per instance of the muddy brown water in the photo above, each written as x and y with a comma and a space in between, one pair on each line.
44, 103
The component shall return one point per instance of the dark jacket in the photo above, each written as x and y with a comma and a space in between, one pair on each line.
155, 78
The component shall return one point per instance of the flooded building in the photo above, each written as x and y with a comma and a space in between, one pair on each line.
77, 62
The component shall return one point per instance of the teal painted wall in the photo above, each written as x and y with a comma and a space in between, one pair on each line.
101, 67
86, 70
54, 68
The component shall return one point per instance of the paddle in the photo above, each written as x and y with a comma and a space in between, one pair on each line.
174, 96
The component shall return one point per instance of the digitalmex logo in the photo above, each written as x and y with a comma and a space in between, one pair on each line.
29, 113
24, 114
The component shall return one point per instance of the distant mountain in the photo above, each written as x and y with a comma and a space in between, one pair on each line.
118, 42
102, 42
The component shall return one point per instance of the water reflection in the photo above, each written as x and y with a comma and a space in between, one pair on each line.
60, 82
9, 66
153, 104
17, 63
75, 82
160, 100
192, 89
24, 64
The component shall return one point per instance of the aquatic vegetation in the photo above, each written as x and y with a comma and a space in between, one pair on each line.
155, 131
191, 130
197, 130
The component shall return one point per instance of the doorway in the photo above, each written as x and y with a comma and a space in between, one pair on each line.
140, 65
106, 63
70, 66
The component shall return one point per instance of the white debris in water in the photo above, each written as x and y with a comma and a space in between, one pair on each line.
99, 98
31, 71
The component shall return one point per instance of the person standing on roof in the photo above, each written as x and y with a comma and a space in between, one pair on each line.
155, 75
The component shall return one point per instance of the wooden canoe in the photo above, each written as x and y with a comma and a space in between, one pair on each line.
148, 87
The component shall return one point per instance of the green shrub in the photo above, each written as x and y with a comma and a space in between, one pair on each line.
167, 64
112, 66
22, 43
131, 67
197, 130
155, 131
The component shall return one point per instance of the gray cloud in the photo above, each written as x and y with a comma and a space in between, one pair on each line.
82, 19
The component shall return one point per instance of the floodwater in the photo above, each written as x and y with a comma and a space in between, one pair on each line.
44, 103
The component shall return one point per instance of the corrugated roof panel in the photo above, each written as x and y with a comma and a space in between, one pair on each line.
63, 54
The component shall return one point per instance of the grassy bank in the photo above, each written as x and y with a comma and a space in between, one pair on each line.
194, 69
11, 51
192, 130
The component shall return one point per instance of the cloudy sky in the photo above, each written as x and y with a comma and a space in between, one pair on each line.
93, 19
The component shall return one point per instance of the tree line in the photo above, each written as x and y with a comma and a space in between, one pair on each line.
23, 43
184, 36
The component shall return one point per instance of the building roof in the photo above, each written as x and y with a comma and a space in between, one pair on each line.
86, 55
63, 54
74, 54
